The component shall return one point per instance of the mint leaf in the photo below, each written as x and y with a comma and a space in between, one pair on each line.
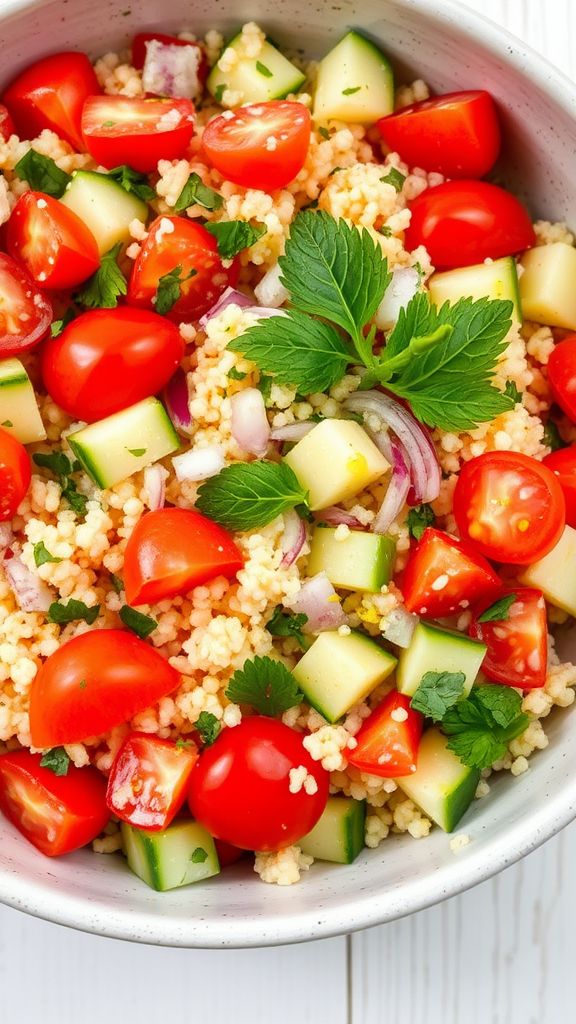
219, 92
104, 288
419, 518
169, 288
499, 611
235, 374
244, 496
512, 392
139, 623
283, 623
208, 726
232, 236
133, 181
42, 174
72, 611
56, 760
438, 691
395, 178
481, 727
42, 555
266, 686
195, 191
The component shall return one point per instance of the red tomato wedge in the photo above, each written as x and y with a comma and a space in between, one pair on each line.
517, 652
510, 506
56, 247
457, 134
95, 681
25, 313
176, 242
148, 780
174, 549
261, 146
445, 575
142, 38
7, 127
388, 745
108, 359
563, 465
240, 786
562, 375
466, 222
139, 132
56, 813
15, 474
51, 94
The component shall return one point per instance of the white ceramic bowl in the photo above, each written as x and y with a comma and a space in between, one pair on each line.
450, 47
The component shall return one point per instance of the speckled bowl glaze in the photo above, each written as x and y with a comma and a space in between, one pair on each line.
450, 47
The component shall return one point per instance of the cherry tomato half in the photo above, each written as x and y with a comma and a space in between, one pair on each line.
57, 248
139, 132
191, 247
457, 134
240, 786
517, 652
139, 50
465, 222
51, 94
562, 375
148, 781
563, 465
15, 474
386, 746
25, 313
93, 682
7, 127
108, 359
174, 549
445, 575
510, 506
261, 146
57, 813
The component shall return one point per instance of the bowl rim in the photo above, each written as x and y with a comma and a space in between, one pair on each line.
369, 908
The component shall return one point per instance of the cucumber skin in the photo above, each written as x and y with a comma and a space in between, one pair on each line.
86, 462
350, 843
462, 798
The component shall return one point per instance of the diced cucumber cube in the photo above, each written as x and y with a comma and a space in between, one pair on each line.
495, 280
339, 671
547, 290
360, 561
339, 834
118, 446
442, 786
269, 76
438, 650
335, 461
355, 83
104, 206
180, 855
555, 574
19, 412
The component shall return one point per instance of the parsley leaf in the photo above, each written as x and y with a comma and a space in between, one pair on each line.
264, 386
57, 326
133, 181
168, 290
351, 90
208, 726
219, 92
42, 555
481, 727
235, 374
195, 191
104, 288
42, 174
420, 517
438, 691
499, 611
323, 132
56, 759
512, 391
199, 855
73, 611
395, 178
263, 70
57, 462
552, 438
283, 623
266, 685
60, 465
244, 496
116, 583
139, 623
232, 236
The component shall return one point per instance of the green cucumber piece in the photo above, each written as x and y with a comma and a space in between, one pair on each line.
115, 448
438, 650
355, 83
19, 412
339, 834
555, 574
442, 786
106, 208
339, 671
547, 285
495, 280
269, 76
182, 854
360, 561
335, 461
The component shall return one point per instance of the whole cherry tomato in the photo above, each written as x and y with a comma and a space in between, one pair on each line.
56, 247
51, 94
562, 375
563, 464
139, 132
15, 474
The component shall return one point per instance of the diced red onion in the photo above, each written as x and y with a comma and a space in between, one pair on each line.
229, 297
250, 427
417, 448
172, 70
270, 291
199, 463
338, 517
264, 312
32, 594
294, 538
155, 486
395, 497
292, 431
403, 287
6, 536
176, 399
318, 600
400, 626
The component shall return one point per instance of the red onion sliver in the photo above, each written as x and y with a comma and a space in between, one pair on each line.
264, 312
397, 492
338, 517
199, 463
171, 70
176, 399
31, 593
155, 486
292, 431
294, 538
6, 536
250, 427
318, 600
229, 297
403, 287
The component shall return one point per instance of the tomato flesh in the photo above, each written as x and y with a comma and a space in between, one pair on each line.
562, 375
174, 549
93, 682
56, 247
445, 575
563, 464
148, 781
51, 94
517, 652
510, 506
139, 50
139, 132
176, 242
25, 313
7, 126
15, 474
240, 786
56, 813
109, 359
261, 146
385, 746
465, 222
227, 854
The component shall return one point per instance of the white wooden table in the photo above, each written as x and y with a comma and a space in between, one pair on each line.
501, 954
